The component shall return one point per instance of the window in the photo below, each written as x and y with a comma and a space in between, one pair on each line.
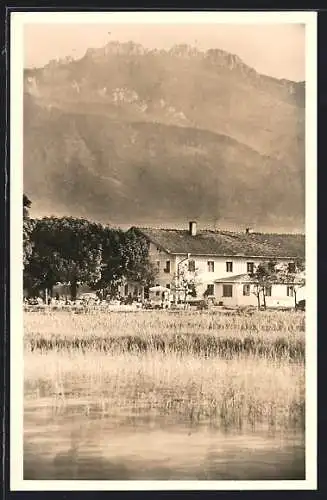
268, 291
291, 267
250, 267
211, 266
126, 290
290, 291
271, 266
167, 268
168, 286
246, 290
210, 290
191, 266
227, 290
229, 267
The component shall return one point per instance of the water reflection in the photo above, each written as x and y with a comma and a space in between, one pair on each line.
72, 444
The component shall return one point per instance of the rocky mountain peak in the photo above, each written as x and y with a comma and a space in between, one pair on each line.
169, 134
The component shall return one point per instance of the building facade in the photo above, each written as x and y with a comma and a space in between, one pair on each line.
242, 291
218, 262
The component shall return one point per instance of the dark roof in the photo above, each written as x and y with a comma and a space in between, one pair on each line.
225, 243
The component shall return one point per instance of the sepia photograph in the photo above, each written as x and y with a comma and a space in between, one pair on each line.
163, 240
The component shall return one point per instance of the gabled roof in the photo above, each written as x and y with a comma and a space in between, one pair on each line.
225, 243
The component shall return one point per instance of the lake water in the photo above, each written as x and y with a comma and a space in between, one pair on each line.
71, 444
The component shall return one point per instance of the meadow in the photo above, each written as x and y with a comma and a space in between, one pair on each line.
228, 371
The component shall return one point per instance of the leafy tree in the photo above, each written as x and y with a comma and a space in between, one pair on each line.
66, 250
78, 251
263, 275
185, 282
112, 268
292, 275
28, 225
136, 265
43, 270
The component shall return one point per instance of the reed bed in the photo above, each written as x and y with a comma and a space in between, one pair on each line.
227, 345
232, 371
113, 323
197, 334
237, 393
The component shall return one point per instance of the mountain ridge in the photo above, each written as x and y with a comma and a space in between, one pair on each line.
139, 131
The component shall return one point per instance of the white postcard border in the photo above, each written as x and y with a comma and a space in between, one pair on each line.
18, 20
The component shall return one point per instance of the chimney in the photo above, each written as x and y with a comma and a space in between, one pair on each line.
192, 228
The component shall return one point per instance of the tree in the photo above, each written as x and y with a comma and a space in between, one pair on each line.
112, 267
74, 251
263, 276
66, 250
28, 225
185, 281
26, 205
136, 265
292, 275
43, 270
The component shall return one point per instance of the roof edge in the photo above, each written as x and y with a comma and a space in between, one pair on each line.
229, 255
242, 279
139, 230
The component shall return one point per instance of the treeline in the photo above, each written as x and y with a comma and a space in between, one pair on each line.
75, 251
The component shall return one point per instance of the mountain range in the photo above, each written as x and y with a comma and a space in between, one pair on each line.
128, 136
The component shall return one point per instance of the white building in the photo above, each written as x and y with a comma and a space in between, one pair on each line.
219, 261
242, 291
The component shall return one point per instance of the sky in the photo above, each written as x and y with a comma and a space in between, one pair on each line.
276, 50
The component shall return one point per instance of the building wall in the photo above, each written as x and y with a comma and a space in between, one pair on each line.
239, 266
237, 297
202, 276
278, 296
161, 257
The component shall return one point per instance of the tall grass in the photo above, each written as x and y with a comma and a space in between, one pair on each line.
240, 392
137, 322
232, 371
197, 334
